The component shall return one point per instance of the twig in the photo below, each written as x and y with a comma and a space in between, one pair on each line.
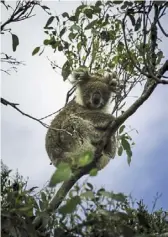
50, 114
14, 105
153, 45
161, 28
70, 92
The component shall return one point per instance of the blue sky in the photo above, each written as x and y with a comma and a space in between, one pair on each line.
40, 91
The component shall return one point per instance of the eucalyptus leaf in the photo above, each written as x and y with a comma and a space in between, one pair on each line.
121, 129
35, 51
91, 24
120, 197
138, 24
49, 21
62, 32
70, 206
132, 18
62, 173
66, 70
65, 14
88, 13
93, 172
85, 159
88, 195
15, 42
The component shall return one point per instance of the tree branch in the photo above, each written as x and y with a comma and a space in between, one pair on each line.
14, 105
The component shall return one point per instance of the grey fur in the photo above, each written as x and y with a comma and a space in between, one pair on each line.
85, 119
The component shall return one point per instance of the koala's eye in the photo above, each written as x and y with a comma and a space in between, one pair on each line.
96, 98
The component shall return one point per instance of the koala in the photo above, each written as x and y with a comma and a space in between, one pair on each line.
80, 125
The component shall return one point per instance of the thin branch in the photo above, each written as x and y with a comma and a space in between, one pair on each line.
50, 114
22, 11
153, 46
70, 92
144, 96
161, 28
14, 105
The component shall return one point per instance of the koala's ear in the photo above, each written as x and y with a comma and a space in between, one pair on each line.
112, 80
80, 76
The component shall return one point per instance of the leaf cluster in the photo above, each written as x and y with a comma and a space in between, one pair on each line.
85, 212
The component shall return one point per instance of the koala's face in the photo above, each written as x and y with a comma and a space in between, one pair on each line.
95, 91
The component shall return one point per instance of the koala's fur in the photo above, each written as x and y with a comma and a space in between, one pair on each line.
82, 122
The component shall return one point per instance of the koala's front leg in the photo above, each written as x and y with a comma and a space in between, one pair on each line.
76, 129
110, 147
99, 120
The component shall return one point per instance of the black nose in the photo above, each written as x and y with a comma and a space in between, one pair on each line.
96, 98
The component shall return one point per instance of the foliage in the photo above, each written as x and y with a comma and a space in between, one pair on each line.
85, 212
22, 11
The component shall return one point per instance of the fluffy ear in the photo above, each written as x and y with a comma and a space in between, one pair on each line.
112, 80
80, 75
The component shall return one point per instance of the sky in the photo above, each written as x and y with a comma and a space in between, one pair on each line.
40, 91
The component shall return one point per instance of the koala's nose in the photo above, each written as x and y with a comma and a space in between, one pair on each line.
96, 98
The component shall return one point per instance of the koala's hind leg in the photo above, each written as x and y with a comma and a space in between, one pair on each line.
75, 138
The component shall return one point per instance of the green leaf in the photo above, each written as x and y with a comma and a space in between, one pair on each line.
70, 206
25, 209
125, 143
15, 42
79, 10
138, 24
72, 18
90, 186
66, 70
98, 3
121, 129
75, 27
60, 48
43, 197
93, 172
159, 56
62, 31
88, 194
35, 51
62, 173
106, 194
85, 159
46, 42
45, 7
49, 21
88, 13
90, 25
125, 4
42, 205
127, 148
79, 46
120, 46
120, 150
120, 197
132, 18
65, 14
72, 36
129, 158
